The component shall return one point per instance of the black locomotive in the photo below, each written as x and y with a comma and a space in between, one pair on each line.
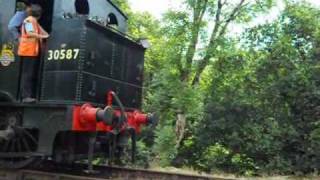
89, 89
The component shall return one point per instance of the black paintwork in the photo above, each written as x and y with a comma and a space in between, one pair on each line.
49, 120
9, 76
108, 60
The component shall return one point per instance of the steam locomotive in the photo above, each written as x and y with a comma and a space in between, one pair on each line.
89, 89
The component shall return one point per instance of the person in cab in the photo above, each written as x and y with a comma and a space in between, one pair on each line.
32, 35
23, 10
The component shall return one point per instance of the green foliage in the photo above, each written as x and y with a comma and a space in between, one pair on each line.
143, 155
214, 157
255, 108
264, 97
164, 147
218, 157
243, 165
123, 5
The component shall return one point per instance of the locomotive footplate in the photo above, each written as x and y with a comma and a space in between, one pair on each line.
19, 155
67, 133
28, 131
35, 105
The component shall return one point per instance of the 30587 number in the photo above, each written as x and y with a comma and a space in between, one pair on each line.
63, 54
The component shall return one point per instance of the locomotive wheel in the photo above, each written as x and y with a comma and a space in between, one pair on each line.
17, 150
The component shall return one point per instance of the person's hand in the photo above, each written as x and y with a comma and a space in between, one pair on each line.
45, 36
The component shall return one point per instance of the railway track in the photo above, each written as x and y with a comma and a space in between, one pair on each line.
102, 173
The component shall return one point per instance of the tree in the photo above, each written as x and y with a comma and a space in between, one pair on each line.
264, 99
221, 13
186, 30
123, 5
245, 104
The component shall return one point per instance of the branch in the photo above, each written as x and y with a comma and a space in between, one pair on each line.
259, 3
232, 17
203, 10
212, 44
235, 11
179, 62
199, 12
217, 22
215, 30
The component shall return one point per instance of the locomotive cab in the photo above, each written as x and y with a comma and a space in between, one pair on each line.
56, 14
47, 13
9, 61
89, 86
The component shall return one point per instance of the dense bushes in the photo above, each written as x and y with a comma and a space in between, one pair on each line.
264, 111
257, 106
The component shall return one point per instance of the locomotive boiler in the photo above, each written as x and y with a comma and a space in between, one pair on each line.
89, 89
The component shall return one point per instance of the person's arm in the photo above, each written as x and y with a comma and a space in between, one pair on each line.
38, 36
31, 33
44, 32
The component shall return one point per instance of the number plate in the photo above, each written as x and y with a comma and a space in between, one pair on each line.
63, 54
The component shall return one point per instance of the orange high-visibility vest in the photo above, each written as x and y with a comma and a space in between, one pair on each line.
29, 46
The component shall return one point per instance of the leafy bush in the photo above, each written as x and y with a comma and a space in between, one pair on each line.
218, 157
164, 147
143, 156
214, 157
265, 109
243, 165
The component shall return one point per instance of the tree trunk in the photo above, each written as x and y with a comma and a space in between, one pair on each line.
180, 128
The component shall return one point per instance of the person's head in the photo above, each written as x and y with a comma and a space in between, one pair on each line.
21, 6
28, 8
36, 11
82, 7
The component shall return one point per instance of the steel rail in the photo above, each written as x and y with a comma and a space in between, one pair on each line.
77, 172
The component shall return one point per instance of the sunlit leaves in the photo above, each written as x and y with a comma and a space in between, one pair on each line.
266, 106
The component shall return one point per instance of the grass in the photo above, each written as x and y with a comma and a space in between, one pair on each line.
231, 176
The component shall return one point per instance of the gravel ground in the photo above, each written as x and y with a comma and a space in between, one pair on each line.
282, 178
189, 171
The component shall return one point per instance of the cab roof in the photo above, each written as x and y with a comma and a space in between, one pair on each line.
121, 12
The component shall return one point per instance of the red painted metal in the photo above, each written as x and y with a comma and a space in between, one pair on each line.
88, 114
101, 127
136, 119
109, 98
84, 119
